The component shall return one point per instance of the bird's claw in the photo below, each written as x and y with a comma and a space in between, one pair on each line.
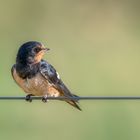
28, 98
44, 99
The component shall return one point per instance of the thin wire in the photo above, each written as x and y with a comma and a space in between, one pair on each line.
74, 98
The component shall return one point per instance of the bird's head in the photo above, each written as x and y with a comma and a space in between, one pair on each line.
31, 52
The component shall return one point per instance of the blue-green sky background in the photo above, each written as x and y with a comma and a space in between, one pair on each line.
95, 47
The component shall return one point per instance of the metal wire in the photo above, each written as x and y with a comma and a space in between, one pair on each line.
74, 98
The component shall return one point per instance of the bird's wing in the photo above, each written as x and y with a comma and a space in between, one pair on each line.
50, 74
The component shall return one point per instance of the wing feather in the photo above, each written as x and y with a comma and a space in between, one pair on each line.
50, 74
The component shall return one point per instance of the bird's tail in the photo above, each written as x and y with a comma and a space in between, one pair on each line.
74, 103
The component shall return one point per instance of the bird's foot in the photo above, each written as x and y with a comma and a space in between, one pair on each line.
44, 99
28, 98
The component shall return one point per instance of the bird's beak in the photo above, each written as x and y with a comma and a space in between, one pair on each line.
45, 49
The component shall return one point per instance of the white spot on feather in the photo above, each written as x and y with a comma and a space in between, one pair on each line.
58, 75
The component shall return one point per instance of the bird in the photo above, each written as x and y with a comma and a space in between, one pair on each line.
37, 77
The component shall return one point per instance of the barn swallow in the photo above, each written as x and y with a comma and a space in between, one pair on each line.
36, 76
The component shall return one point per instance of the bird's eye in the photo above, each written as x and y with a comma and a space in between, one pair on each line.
37, 50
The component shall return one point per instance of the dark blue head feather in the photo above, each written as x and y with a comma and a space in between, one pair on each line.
25, 51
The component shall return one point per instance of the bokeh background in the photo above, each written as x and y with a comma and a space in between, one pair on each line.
95, 46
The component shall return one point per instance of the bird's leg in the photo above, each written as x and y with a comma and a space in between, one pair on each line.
44, 99
28, 98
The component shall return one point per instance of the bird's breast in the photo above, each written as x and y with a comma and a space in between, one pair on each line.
37, 85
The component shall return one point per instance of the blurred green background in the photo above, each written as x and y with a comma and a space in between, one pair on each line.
95, 46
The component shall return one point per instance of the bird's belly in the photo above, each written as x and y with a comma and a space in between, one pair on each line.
38, 85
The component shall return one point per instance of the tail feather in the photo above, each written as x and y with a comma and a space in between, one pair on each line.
74, 104
76, 99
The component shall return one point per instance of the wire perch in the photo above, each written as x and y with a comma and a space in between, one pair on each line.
74, 98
